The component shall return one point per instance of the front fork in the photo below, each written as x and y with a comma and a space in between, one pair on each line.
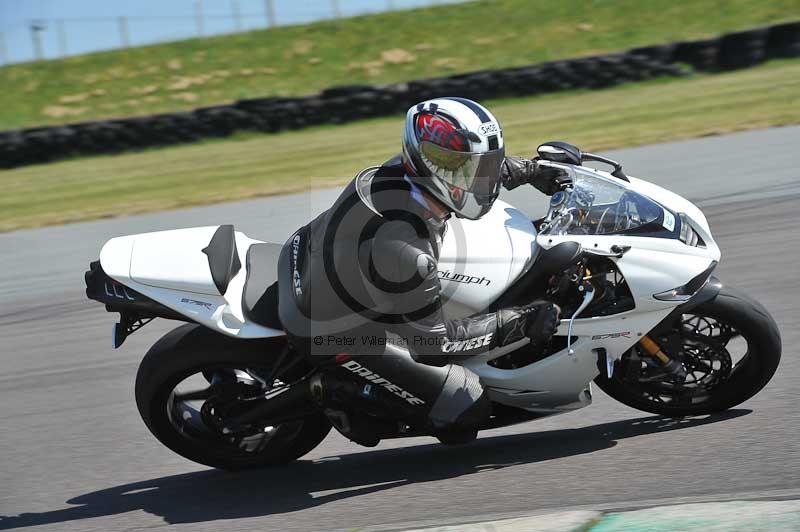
672, 366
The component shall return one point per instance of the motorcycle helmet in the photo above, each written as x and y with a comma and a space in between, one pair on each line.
453, 148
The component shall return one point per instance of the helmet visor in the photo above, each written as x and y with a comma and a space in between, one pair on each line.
475, 173
467, 182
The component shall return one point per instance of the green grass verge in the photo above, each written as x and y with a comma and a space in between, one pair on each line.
373, 49
255, 165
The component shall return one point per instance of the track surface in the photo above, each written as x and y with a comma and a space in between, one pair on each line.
75, 456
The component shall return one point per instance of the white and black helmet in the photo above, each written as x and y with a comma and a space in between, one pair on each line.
453, 147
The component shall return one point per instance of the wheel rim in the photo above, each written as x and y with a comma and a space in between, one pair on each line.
711, 352
198, 405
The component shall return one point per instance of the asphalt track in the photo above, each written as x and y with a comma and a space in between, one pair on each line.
74, 454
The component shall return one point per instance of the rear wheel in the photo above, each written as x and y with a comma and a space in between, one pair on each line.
729, 346
193, 380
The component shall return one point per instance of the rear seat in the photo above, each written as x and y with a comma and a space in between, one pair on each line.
260, 295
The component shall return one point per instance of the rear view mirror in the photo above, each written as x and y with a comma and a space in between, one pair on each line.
560, 152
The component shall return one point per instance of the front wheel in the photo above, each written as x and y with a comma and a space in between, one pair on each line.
729, 346
192, 379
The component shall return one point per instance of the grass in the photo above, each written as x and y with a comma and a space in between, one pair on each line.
256, 165
382, 48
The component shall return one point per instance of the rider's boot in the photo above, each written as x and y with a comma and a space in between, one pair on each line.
447, 399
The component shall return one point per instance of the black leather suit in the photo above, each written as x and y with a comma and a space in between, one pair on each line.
362, 279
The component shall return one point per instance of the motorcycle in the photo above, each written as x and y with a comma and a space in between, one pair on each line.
629, 263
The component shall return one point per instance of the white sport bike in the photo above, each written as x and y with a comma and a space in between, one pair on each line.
629, 263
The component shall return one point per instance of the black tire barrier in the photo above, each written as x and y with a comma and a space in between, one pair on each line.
784, 40
701, 55
663, 53
742, 49
338, 105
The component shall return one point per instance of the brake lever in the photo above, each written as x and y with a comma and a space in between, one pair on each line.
587, 298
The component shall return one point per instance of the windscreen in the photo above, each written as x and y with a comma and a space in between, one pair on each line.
599, 206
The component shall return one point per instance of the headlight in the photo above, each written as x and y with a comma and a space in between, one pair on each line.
685, 292
688, 235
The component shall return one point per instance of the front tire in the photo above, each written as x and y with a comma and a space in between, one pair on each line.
730, 313
192, 350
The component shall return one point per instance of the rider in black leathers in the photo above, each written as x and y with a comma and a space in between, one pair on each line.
359, 284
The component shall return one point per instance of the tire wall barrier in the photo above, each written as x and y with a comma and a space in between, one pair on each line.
344, 104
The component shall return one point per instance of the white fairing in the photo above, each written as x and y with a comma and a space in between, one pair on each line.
562, 381
171, 268
158, 257
479, 260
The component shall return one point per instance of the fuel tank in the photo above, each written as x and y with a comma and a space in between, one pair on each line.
480, 259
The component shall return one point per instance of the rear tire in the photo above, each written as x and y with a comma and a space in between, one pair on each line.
190, 349
748, 376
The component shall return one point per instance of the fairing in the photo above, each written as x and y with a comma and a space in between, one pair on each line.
170, 268
480, 259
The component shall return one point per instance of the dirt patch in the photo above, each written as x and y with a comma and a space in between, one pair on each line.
448, 63
302, 47
185, 96
59, 111
184, 82
397, 56
74, 98
371, 68
147, 89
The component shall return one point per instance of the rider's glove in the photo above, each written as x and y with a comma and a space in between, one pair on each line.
537, 321
517, 171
